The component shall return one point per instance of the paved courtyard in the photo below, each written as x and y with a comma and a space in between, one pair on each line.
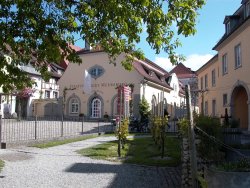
61, 166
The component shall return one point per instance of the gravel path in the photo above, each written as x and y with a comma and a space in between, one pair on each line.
62, 167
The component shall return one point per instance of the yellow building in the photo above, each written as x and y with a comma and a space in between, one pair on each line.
224, 81
100, 97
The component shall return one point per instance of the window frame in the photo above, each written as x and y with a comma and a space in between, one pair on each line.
96, 69
206, 81
213, 80
206, 108
247, 9
224, 64
224, 99
74, 104
96, 108
213, 107
228, 26
237, 56
201, 83
47, 94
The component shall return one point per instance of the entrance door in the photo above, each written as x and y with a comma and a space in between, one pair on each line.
240, 107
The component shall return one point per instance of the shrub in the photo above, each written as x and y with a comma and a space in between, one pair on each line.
158, 129
209, 148
183, 127
123, 132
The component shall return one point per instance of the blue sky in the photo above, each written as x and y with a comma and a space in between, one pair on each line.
198, 48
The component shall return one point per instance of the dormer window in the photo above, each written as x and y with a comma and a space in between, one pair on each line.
151, 73
228, 27
248, 9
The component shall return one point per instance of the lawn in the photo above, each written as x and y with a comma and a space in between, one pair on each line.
141, 151
1, 165
61, 142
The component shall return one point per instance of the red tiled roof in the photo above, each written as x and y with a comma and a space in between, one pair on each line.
182, 71
65, 62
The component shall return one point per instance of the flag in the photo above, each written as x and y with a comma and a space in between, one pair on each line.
87, 83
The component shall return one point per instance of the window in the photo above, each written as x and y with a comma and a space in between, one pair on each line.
237, 52
228, 27
74, 106
47, 94
115, 109
224, 64
248, 9
201, 83
96, 71
206, 108
213, 78
96, 108
224, 99
153, 105
213, 107
206, 81
55, 94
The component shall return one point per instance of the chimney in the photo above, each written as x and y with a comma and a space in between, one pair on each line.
87, 45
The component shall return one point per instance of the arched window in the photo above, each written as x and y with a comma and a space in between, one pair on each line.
153, 105
74, 106
115, 111
96, 108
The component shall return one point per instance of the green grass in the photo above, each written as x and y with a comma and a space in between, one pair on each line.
141, 151
61, 142
1, 165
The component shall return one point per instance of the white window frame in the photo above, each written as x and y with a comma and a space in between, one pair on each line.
55, 94
96, 107
224, 64
74, 106
47, 94
237, 52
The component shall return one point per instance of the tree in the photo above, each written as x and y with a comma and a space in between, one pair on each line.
144, 109
39, 31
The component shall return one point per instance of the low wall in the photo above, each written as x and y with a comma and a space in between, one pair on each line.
222, 179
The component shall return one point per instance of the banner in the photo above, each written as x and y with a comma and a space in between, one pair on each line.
87, 83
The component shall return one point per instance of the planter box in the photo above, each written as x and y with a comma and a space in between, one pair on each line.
222, 179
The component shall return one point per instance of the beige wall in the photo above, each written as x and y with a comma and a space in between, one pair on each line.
104, 86
235, 78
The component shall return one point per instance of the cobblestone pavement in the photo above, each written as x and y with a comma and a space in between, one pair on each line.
61, 166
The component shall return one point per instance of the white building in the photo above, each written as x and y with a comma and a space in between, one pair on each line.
146, 79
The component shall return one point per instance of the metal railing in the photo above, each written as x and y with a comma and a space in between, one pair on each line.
41, 128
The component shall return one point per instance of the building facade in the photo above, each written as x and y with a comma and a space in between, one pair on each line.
98, 96
189, 77
224, 80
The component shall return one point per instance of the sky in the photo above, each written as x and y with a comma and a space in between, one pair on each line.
198, 48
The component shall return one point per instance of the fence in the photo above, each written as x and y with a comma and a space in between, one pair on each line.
37, 128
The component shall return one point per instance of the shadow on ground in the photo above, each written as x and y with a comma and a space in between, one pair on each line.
127, 175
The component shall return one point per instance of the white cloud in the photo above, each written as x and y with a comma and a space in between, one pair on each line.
193, 61
164, 62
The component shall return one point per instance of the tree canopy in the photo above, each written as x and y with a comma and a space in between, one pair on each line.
40, 31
